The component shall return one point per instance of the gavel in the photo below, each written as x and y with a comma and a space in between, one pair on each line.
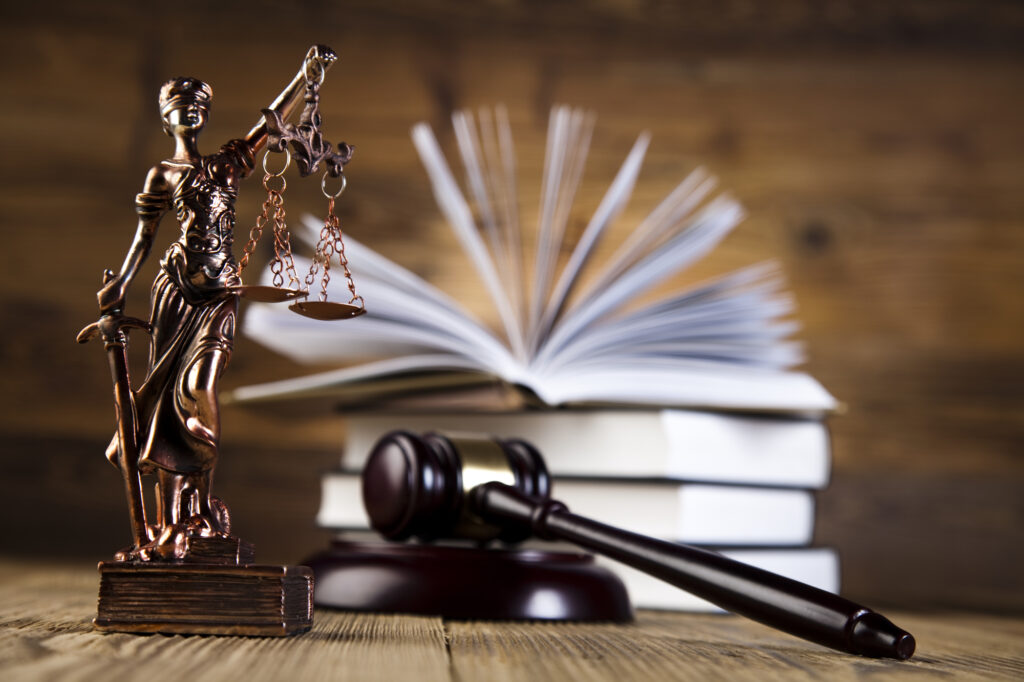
436, 486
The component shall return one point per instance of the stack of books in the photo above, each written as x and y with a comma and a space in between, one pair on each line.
681, 418
741, 484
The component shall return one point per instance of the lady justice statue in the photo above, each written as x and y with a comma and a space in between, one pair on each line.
170, 425
192, 318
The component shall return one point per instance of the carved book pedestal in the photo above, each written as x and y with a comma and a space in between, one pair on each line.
211, 593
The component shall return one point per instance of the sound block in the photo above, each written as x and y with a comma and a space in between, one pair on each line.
204, 599
468, 583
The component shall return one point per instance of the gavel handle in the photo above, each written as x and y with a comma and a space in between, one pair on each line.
771, 599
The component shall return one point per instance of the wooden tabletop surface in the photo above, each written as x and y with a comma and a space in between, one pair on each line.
46, 634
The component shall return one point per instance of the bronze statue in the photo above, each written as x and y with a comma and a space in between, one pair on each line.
192, 319
170, 425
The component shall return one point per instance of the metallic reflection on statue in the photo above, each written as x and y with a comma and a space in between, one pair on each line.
169, 426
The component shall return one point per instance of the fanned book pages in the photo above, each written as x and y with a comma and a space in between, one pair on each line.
724, 344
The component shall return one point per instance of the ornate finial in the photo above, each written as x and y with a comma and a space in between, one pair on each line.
308, 144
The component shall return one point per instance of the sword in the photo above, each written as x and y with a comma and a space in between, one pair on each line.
112, 327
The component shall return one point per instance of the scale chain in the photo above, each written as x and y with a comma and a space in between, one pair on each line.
283, 248
333, 225
261, 221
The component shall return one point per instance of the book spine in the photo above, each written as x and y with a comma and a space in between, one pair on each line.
684, 445
691, 513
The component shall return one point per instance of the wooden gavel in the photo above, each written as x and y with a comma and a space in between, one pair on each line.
437, 486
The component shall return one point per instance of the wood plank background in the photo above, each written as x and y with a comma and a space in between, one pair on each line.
877, 147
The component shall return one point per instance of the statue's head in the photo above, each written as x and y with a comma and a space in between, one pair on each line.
184, 104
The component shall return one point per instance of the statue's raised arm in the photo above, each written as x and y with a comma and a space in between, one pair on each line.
313, 69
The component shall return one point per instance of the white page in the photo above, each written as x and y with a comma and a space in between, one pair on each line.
363, 338
746, 334
704, 233
393, 314
684, 383
765, 347
513, 227
365, 262
748, 315
762, 282
469, 148
331, 383
549, 227
750, 310
662, 223
501, 186
762, 353
460, 218
611, 207
378, 333
570, 144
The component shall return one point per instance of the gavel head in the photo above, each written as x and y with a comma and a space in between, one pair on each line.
419, 485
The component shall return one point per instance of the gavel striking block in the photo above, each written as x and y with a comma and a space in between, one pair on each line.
435, 486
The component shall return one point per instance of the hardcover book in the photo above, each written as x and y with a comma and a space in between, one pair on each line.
683, 445
693, 513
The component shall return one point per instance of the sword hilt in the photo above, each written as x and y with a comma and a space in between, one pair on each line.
110, 327
112, 324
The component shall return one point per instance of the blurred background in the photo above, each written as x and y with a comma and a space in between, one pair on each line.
878, 148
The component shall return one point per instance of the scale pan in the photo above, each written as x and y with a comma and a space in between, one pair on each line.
265, 294
327, 310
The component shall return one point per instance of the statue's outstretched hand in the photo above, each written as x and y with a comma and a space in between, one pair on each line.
323, 54
111, 296
318, 60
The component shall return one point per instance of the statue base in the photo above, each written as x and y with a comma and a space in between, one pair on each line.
468, 583
215, 590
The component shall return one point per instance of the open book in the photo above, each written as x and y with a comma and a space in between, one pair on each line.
723, 344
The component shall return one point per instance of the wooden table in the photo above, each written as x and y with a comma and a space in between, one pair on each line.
46, 634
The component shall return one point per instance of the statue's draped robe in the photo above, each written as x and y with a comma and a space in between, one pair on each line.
193, 315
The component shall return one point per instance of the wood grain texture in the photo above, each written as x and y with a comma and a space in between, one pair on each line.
45, 634
876, 146
661, 646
